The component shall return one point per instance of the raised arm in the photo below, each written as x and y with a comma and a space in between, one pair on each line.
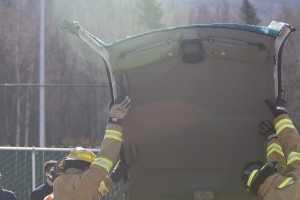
286, 132
109, 149
274, 151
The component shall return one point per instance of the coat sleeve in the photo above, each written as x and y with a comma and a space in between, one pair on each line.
91, 179
105, 186
289, 140
275, 153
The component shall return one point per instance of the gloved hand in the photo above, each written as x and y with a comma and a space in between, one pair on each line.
118, 172
56, 171
120, 107
267, 129
277, 107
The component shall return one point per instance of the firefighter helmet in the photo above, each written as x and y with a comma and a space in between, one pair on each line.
79, 153
255, 173
250, 173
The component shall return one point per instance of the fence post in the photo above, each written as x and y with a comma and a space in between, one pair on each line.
33, 167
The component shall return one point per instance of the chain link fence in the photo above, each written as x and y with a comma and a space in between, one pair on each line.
22, 168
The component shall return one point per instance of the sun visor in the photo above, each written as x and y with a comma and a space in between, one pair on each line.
235, 50
148, 54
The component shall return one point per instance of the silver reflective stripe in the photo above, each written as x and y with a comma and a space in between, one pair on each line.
286, 182
103, 189
282, 124
293, 157
103, 162
113, 134
275, 149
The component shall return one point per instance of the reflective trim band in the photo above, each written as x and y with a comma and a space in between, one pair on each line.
282, 124
103, 162
253, 173
113, 134
103, 189
293, 156
288, 181
274, 148
101, 194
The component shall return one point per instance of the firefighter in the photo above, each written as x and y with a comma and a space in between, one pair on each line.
83, 171
106, 185
279, 177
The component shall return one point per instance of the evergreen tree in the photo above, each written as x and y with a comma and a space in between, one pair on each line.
149, 14
248, 13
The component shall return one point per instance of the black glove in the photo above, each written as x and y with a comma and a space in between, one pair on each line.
118, 109
277, 107
118, 172
267, 129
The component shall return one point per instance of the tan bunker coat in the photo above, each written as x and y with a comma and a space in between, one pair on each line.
78, 185
285, 150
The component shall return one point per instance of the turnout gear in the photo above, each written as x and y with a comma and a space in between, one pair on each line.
285, 151
277, 107
84, 185
267, 129
105, 186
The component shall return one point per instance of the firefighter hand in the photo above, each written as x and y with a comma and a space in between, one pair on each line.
118, 172
277, 107
120, 107
267, 129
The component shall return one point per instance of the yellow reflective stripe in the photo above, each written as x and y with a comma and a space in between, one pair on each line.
253, 173
293, 156
263, 166
103, 189
101, 192
113, 134
274, 145
103, 162
287, 182
282, 121
274, 148
282, 124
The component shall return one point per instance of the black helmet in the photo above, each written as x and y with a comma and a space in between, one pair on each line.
250, 170
255, 173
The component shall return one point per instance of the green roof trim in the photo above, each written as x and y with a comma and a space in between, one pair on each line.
272, 30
